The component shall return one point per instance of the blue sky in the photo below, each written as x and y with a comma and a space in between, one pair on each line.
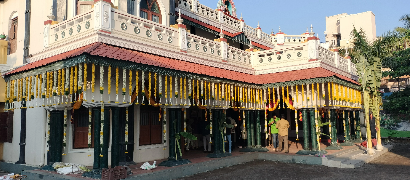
294, 16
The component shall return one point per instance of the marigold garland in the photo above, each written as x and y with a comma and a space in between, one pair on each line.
93, 78
303, 95
75, 78
109, 80
71, 79
130, 83
117, 76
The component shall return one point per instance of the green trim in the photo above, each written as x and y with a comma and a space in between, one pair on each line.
314, 80
105, 61
241, 38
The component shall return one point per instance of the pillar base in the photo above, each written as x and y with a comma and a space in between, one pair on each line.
307, 152
370, 151
218, 155
48, 168
334, 147
379, 147
261, 149
94, 174
347, 143
357, 141
173, 162
248, 149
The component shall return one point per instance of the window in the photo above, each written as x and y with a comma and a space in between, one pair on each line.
13, 35
84, 6
80, 120
150, 126
150, 10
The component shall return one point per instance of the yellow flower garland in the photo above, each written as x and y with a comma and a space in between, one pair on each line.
116, 80
75, 78
93, 78
71, 79
85, 77
166, 88
149, 88
109, 80
303, 94
136, 85
130, 83
170, 88
185, 88
180, 88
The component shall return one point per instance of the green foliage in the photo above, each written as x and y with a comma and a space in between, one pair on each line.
388, 122
398, 103
394, 133
320, 124
188, 135
398, 63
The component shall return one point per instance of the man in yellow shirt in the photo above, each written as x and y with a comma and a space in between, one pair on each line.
283, 126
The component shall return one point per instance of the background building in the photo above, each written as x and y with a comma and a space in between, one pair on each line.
339, 27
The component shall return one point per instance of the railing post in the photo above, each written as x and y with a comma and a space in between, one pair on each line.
194, 6
220, 15
313, 45
182, 34
336, 57
349, 65
259, 32
102, 16
242, 23
46, 33
280, 37
224, 47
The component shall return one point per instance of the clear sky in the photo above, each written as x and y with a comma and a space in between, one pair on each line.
294, 16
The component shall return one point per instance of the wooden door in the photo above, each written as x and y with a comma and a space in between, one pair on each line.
81, 122
3, 126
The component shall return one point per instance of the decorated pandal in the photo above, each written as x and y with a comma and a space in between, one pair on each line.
65, 88
70, 87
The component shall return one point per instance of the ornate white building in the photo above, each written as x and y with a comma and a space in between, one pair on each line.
104, 81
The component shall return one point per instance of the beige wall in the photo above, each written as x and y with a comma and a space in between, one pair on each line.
39, 12
343, 24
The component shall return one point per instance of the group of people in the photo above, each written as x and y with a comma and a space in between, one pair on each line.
279, 130
278, 127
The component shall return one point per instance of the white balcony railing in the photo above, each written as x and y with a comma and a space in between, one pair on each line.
132, 29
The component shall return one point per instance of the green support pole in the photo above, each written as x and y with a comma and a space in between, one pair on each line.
97, 127
252, 118
248, 130
106, 138
258, 130
178, 129
333, 143
357, 119
217, 136
115, 137
347, 125
347, 132
258, 134
174, 158
305, 130
313, 129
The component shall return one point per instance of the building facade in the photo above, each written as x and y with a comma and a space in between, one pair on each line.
111, 82
339, 28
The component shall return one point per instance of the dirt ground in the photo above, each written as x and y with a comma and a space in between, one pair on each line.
391, 165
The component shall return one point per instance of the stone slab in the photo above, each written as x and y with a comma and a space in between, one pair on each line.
15, 168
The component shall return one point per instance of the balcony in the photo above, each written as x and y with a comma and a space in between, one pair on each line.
112, 26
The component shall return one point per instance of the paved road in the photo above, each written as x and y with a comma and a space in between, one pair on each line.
392, 165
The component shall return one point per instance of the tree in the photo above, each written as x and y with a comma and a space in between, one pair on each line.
366, 57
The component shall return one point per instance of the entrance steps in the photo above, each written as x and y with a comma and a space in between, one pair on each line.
353, 157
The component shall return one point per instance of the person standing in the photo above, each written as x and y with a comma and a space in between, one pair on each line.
274, 131
283, 126
232, 122
206, 138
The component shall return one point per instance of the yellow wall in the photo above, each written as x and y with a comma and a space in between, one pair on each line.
2, 90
